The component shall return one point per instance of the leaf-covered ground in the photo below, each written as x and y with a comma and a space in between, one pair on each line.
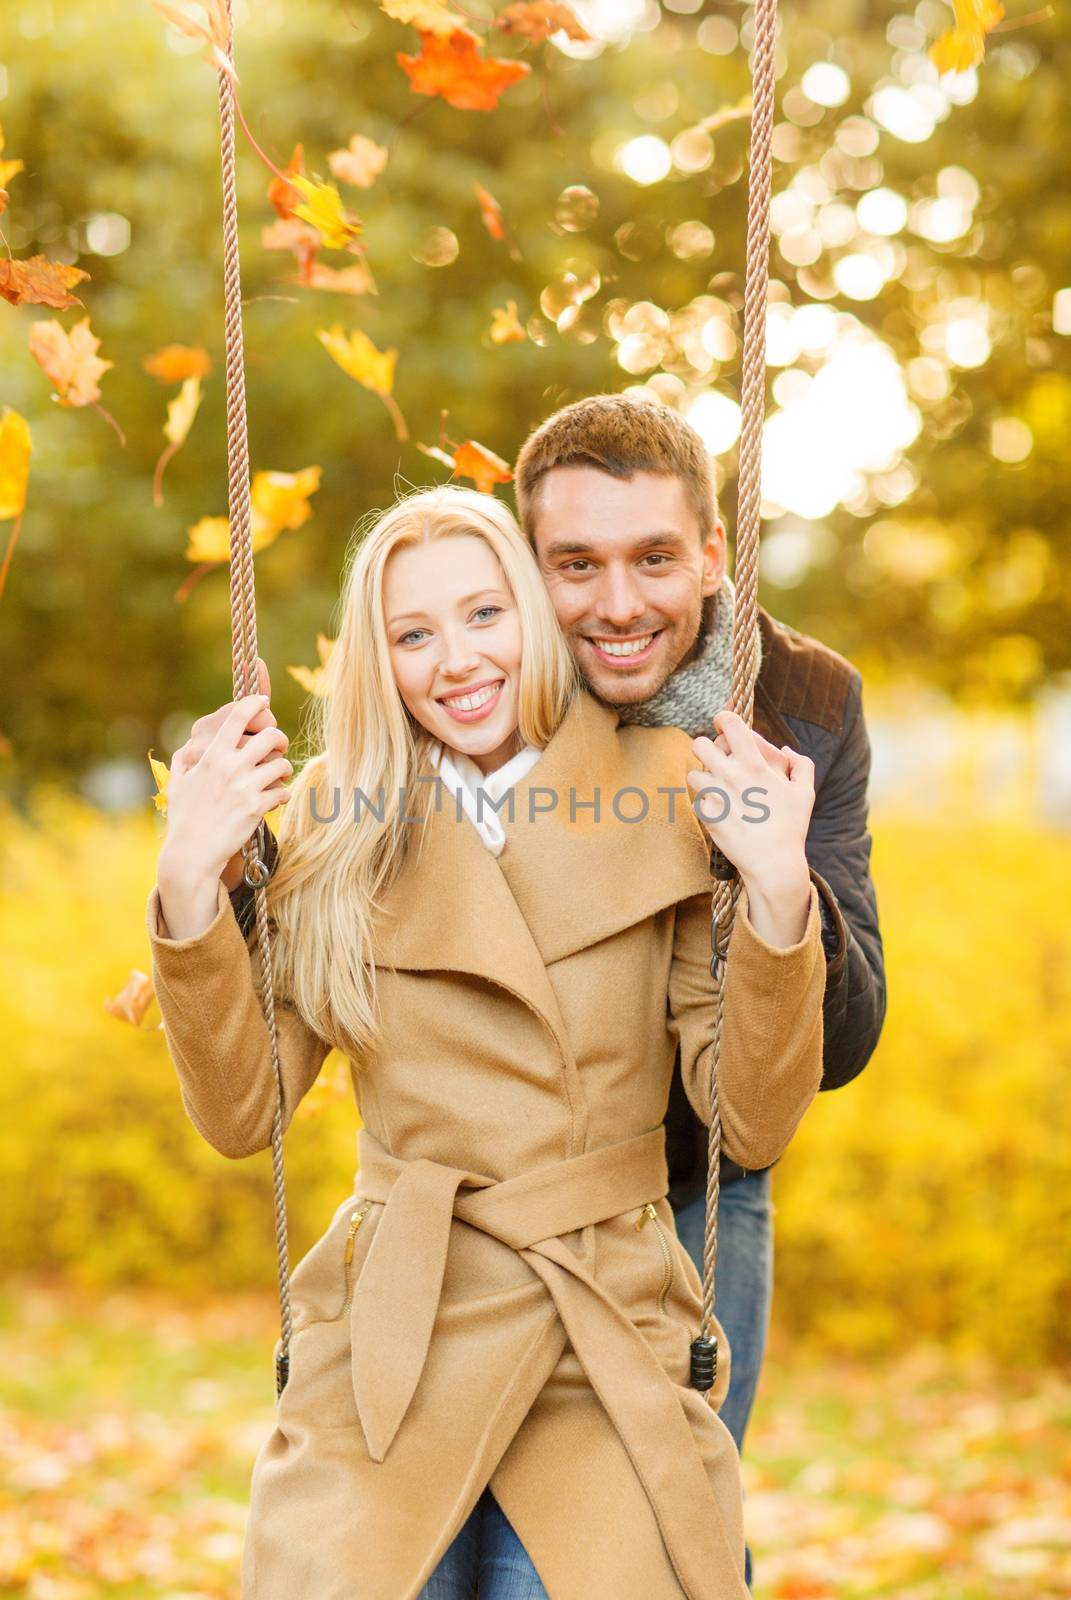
128, 1426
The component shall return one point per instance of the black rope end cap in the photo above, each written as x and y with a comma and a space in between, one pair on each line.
282, 1372
704, 1363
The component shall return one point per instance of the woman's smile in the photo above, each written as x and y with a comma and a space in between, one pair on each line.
473, 703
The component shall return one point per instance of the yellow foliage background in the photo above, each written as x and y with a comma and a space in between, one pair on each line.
928, 1199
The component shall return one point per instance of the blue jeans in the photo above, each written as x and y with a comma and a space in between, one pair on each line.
486, 1559
743, 1287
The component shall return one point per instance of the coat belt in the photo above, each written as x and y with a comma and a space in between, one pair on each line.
397, 1293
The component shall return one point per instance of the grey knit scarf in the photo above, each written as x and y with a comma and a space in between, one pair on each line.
690, 696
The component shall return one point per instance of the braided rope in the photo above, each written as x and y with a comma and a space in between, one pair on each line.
244, 654
745, 621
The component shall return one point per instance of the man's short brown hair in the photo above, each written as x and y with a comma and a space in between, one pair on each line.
619, 436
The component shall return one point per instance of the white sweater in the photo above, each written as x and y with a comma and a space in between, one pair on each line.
461, 775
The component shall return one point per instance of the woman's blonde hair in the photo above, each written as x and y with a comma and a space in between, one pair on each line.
361, 740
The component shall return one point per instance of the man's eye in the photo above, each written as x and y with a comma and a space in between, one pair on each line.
654, 556
575, 566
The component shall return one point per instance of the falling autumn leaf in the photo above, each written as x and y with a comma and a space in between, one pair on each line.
360, 163
429, 16
281, 192
339, 280
16, 447
161, 772
214, 30
312, 679
70, 360
39, 282
359, 359
174, 363
490, 212
737, 112
279, 501
8, 170
323, 210
475, 461
296, 236
505, 329
180, 414
538, 19
454, 68
133, 999
963, 46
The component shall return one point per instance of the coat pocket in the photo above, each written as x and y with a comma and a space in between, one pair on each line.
649, 1219
323, 1282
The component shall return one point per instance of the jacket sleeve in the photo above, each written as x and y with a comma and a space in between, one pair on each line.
838, 851
217, 1036
770, 1064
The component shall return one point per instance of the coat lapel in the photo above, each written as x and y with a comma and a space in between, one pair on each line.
564, 880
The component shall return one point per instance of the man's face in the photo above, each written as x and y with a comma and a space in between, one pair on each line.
627, 573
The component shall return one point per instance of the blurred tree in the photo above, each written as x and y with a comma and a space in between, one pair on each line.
921, 383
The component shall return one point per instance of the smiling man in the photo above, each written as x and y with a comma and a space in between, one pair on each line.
617, 501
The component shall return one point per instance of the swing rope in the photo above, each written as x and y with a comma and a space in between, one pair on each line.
244, 657
745, 628
704, 1364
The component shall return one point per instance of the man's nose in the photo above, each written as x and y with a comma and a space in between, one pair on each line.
619, 600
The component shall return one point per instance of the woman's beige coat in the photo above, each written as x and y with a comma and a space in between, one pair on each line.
510, 1313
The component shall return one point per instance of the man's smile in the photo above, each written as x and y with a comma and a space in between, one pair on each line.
623, 652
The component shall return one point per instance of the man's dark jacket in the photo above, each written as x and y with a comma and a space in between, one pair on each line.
809, 697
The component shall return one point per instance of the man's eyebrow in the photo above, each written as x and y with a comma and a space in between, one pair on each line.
579, 547
465, 600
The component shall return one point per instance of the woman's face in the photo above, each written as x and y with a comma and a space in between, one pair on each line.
455, 644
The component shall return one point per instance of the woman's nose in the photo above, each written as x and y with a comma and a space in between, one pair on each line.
459, 657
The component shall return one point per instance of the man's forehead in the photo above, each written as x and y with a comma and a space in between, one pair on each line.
587, 504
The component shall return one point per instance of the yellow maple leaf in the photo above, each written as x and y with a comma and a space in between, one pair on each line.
359, 358
324, 211
161, 772
429, 16
278, 501
360, 163
181, 412
313, 679
281, 499
16, 447
963, 46
505, 329
8, 169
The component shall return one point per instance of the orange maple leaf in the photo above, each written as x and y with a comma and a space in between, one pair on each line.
360, 163
39, 282
490, 212
70, 360
538, 19
454, 68
475, 461
283, 196
174, 363
133, 999
505, 328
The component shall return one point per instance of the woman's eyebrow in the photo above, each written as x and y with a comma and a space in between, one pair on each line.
465, 600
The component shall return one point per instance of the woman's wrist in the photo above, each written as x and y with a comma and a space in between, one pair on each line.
778, 900
189, 893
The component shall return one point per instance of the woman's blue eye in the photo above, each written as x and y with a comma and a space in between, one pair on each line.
493, 609
407, 636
